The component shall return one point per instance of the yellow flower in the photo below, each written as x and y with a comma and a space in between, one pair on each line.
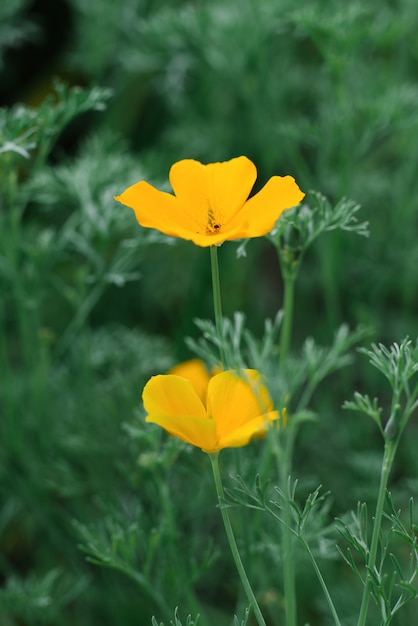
210, 202
237, 408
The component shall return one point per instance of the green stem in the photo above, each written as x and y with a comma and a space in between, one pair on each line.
288, 561
288, 301
389, 454
216, 285
322, 582
231, 540
289, 267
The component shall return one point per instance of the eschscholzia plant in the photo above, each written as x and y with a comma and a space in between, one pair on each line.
237, 407
211, 202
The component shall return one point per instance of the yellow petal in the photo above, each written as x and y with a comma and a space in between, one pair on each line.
157, 209
173, 396
212, 194
260, 213
234, 400
195, 371
197, 431
255, 427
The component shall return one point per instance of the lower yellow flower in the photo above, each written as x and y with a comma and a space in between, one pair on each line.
237, 408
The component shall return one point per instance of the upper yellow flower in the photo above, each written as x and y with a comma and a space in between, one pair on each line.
237, 408
210, 204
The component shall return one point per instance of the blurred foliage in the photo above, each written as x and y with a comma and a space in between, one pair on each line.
15, 27
91, 305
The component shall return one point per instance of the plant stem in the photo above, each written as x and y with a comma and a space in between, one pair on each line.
231, 540
289, 266
288, 561
322, 582
389, 454
288, 300
217, 302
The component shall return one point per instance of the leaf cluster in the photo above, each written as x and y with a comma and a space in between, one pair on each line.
39, 598
177, 622
392, 583
303, 372
298, 228
399, 364
194, 621
30, 133
308, 521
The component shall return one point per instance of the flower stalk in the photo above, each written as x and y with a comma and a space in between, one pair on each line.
217, 303
290, 260
232, 542
288, 302
289, 266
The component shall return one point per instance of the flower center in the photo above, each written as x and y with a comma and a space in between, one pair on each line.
212, 227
